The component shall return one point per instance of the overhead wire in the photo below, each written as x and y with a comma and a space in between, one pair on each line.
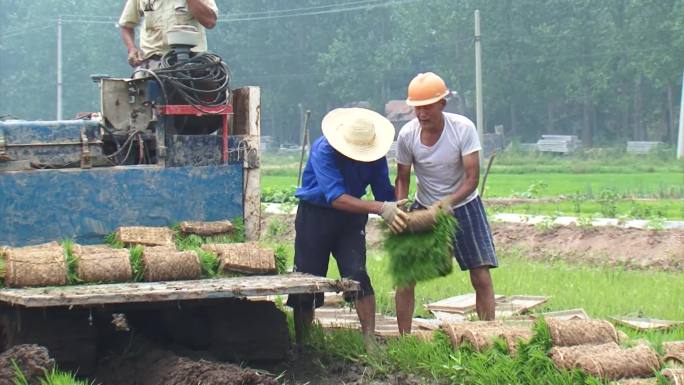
236, 18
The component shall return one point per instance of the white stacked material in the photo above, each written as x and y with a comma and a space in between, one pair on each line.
642, 147
558, 143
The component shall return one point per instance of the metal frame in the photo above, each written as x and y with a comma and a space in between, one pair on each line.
182, 109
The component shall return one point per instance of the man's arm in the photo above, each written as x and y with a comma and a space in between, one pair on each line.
135, 55
471, 166
352, 204
402, 181
202, 13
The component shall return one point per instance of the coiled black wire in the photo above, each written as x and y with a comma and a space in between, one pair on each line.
202, 81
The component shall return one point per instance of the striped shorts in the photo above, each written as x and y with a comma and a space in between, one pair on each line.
473, 243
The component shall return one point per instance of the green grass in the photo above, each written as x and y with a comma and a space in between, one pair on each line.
672, 209
657, 184
588, 175
602, 292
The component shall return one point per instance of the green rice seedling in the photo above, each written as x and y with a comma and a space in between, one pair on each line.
136, 263
56, 377
422, 256
281, 257
434, 358
19, 376
209, 262
113, 241
188, 242
72, 262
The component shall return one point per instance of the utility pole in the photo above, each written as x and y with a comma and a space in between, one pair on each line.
680, 137
478, 85
59, 68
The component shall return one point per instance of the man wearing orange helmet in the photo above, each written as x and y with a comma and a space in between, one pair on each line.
444, 150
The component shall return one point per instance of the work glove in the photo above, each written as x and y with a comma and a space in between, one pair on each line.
394, 216
441, 205
135, 57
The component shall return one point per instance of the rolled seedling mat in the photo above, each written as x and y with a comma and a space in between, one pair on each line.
456, 331
565, 357
206, 228
640, 361
674, 351
246, 258
167, 264
675, 376
581, 332
42, 265
483, 338
100, 263
145, 236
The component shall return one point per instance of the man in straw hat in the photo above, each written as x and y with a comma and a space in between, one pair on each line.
444, 150
331, 216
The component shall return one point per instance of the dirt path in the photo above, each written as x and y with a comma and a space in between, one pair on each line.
605, 246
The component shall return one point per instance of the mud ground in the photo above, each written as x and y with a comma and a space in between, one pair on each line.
141, 362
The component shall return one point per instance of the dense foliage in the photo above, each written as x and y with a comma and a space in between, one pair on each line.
608, 71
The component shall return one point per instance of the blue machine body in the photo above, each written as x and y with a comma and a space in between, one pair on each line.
57, 142
41, 205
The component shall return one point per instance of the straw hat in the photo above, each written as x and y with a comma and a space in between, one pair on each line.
358, 133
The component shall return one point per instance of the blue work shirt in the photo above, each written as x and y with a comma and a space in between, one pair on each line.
329, 174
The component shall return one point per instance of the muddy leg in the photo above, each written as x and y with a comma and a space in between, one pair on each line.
365, 308
406, 301
484, 293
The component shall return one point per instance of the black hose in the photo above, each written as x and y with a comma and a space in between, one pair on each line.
202, 81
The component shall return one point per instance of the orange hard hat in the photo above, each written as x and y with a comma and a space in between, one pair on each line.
426, 88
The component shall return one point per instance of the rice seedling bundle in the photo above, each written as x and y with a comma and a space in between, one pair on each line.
674, 375
640, 361
565, 357
146, 236
205, 228
101, 263
246, 258
169, 264
581, 332
674, 351
416, 257
42, 265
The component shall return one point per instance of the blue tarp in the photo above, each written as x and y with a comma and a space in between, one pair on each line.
86, 205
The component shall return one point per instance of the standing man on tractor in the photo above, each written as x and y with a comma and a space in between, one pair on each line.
331, 216
158, 17
444, 149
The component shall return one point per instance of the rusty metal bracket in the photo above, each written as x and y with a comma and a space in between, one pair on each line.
86, 160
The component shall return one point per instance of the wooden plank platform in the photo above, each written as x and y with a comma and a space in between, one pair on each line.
145, 292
